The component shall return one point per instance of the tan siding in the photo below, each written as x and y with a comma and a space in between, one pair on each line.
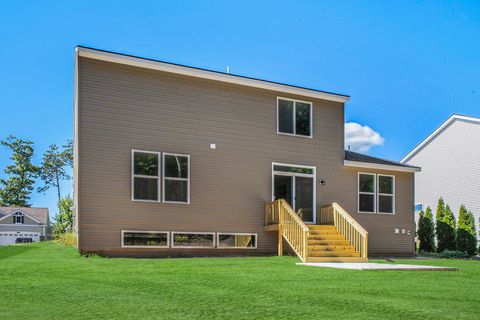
123, 108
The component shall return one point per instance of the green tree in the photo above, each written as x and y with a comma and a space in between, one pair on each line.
426, 232
17, 188
53, 168
466, 240
450, 229
440, 225
63, 221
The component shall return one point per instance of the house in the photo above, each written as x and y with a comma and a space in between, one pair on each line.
19, 224
449, 158
172, 160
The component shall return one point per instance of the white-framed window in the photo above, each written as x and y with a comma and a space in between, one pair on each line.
376, 193
193, 240
236, 240
294, 117
176, 178
145, 239
145, 176
366, 192
18, 218
386, 193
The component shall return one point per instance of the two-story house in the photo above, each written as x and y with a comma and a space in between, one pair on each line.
172, 160
21, 224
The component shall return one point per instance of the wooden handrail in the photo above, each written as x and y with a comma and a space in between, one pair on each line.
290, 227
346, 226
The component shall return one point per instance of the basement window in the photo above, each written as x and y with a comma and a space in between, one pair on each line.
294, 117
236, 241
145, 176
145, 239
193, 240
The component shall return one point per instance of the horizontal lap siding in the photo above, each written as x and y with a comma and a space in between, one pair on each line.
123, 108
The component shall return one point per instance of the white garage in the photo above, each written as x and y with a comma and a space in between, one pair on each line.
10, 237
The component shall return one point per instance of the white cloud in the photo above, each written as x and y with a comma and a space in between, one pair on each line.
361, 138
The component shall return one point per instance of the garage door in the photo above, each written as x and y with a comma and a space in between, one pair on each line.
10, 237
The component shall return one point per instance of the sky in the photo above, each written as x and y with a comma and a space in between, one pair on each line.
407, 65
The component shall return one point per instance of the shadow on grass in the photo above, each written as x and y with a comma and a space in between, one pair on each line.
15, 249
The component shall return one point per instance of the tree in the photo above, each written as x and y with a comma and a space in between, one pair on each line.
450, 229
53, 168
439, 224
426, 232
16, 190
466, 240
63, 221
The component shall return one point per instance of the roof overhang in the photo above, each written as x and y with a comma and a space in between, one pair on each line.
434, 134
368, 165
206, 74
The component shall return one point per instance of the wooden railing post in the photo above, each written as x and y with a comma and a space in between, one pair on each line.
280, 240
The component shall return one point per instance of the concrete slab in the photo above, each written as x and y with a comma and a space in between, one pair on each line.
376, 266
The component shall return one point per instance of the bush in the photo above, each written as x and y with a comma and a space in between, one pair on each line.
452, 254
466, 239
68, 239
426, 232
445, 227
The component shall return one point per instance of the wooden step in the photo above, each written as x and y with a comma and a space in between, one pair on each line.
336, 259
336, 253
328, 242
330, 248
321, 227
326, 237
317, 232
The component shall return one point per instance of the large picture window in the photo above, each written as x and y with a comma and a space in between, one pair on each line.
176, 178
376, 193
294, 117
145, 175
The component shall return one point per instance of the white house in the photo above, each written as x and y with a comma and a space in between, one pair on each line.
23, 224
450, 161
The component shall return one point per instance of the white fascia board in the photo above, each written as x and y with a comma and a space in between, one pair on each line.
206, 74
378, 166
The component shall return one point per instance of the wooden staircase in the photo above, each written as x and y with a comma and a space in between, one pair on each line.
326, 244
339, 238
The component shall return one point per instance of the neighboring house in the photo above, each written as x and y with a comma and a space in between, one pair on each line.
25, 223
450, 161
178, 161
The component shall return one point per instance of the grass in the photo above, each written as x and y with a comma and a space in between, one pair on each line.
51, 281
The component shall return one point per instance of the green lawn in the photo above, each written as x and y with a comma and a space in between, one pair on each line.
50, 281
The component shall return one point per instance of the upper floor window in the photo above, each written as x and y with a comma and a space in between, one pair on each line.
146, 175
294, 117
18, 218
376, 193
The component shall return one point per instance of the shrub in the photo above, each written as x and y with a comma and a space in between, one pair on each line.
68, 239
426, 232
466, 239
452, 254
445, 227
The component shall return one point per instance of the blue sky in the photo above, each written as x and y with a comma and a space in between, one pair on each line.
407, 65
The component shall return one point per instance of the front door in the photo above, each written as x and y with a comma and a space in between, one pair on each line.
295, 184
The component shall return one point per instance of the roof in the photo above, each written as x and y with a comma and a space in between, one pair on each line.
41, 214
454, 117
206, 74
355, 159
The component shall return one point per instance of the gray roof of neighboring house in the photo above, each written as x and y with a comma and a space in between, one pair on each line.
355, 156
41, 214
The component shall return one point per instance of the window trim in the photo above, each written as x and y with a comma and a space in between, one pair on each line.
240, 234
294, 134
178, 179
173, 233
133, 175
374, 193
386, 194
144, 231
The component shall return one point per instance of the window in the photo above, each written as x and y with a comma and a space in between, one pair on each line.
155, 239
236, 240
294, 117
419, 207
386, 197
376, 193
366, 192
193, 240
145, 176
176, 178
18, 218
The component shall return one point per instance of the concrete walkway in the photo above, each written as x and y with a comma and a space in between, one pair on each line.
376, 266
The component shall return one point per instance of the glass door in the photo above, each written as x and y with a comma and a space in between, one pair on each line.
295, 184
